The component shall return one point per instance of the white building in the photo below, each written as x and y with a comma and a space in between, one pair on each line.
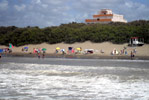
106, 16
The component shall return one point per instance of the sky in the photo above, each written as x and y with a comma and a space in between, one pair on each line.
45, 13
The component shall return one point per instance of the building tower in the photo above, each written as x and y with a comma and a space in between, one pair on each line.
106, 16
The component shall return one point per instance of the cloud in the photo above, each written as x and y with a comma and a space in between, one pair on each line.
54, 2
45, 13
20, 8
38, 1
135, 11
3, 5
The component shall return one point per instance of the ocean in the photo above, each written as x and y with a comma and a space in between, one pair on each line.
73, 79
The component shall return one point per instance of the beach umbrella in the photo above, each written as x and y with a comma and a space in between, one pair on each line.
1, 50
57, 48
25, 47
69, 48
10, 45
44, 49
79, 49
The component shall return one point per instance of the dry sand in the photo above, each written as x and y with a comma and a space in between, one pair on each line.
107, 47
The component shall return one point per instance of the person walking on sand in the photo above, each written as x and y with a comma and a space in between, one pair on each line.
132, 55
38, 55
43, 55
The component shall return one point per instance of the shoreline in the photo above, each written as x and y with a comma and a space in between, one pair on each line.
75, 56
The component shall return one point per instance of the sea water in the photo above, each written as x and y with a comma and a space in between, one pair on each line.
73, 79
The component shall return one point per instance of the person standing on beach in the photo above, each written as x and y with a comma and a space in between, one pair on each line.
0, 56
38, 55
63, 51
56, 51
132, 55
134, 51
43, 55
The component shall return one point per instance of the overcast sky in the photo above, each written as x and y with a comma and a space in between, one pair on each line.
43, 13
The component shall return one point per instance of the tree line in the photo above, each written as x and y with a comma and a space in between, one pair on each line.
117, 33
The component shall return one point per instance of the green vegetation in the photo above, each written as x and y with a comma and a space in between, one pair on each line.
75, 32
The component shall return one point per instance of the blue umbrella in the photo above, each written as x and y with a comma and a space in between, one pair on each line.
25, 47
1, 50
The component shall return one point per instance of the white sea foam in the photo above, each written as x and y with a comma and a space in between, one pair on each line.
64, 82
81, 87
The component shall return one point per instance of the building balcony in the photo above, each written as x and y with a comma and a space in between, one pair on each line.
97, 20
104, 15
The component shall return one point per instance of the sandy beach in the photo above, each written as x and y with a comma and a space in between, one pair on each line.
106, 47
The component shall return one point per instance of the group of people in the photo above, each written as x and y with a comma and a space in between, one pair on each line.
39, 52
124, 51
5, 50
71, 50
24, 49
39, 55
116, 52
